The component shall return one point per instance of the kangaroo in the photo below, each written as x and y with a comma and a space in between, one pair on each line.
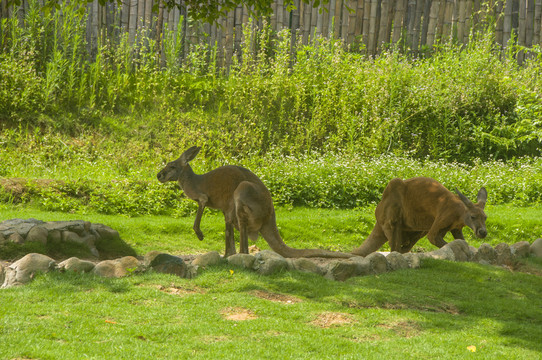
416, 207
244, 200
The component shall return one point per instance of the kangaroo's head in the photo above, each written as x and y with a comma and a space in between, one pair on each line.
174, 169
474, 216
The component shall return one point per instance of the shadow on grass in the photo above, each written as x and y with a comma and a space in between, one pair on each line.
448, 296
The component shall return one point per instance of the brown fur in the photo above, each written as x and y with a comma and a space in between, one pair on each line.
416, 207
244, 200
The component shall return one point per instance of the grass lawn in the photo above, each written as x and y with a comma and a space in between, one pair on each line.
443, 310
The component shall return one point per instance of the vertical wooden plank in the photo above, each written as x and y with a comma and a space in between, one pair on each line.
507, 23
326, 19
383, 23
537, 21
132, 22
461, 21
415, 13
468, 21
320, 21
359, 18
425, 22
307, 11
367, 23
295, 25
338, 20
398, 21
351, 31
373, 34
440, 20
345, 21
522, 33
238, 30
433, 16
125, 15
230, 19
447, 22
280, 14
140, 14
314, 20
529, 26
148, 14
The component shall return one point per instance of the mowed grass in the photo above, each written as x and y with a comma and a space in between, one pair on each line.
299, 227
443, 310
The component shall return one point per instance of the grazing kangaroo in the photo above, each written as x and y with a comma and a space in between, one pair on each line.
242, 197
416, 207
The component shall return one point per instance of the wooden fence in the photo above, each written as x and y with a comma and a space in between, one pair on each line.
368, 25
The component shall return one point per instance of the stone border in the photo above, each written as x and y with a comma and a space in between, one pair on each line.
268, 262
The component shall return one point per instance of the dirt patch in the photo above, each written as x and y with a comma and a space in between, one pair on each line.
439, 308
404, 328
238, 314
282, 298
210, 339
180, 291
331, 319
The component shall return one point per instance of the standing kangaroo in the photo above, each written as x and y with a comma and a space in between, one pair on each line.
244, 200
416, 207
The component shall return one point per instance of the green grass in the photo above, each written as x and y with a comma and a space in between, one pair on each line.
300, 227
433, 312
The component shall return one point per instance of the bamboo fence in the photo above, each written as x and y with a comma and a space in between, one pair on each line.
364, 25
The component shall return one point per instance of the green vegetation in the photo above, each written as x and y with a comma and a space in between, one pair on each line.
411, 314
325, 129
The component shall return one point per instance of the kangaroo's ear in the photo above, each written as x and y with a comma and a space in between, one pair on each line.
463, 198
482, 197
188, 155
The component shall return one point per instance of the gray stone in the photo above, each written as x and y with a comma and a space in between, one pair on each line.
363, 265
306, 265
485, 254
461, 250
38, 234
536, 247
169, 264
2, 274
340, 270
16, 238
105, 232
149, 257
444, 253
520, 249
117, 268
77, 226
268, 262
378, 262
54, 236
242, 260
20, 226
208, 259
504, 254
76, 265
23, 270
414, 260
397, 261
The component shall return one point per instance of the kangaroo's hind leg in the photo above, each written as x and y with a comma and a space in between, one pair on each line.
248, 212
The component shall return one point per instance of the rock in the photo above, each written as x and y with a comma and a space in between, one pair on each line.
461, 250
520, 249
306, 265
414, 260
20, 226
485, 254
504, 254
54, 236
208, 259
38, 234
444, 253
363, 265
169, 264
2, 274
378, 262
16, 238
340, 270
149, 257
242, 260
267, 262
2, 239
536, 247
23, 270
76, 265
397, 261
117, 268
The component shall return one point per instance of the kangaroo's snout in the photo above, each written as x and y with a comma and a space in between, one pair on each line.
481, 233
